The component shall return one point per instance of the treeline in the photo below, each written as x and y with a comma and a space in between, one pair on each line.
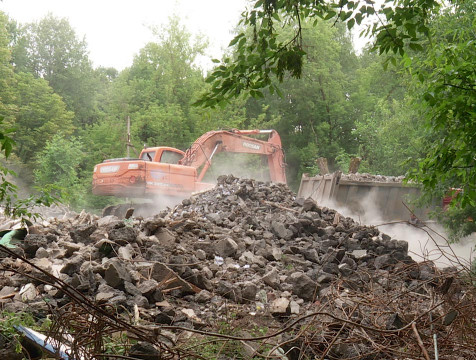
68, 115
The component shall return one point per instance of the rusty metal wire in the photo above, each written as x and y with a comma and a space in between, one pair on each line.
85, 326
378, 317
373, 314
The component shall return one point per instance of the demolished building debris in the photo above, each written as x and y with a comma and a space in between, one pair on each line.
248, 253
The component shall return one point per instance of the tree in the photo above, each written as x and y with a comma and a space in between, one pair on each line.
446, 90
165, 71
58, 165
28, 104
400, 28
12, 205
7, 77
387, 127
390, 139
165, 124
41, 114
446, 71
157, 91
314, 114
51, 50
371, 85
266, 54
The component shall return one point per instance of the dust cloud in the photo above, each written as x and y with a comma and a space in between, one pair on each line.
245, 166
239, 165
426, 241
236, 164
152, 206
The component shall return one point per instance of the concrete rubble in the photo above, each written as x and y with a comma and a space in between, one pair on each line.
245, 247
365, 177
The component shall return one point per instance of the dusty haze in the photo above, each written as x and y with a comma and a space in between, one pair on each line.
427, 242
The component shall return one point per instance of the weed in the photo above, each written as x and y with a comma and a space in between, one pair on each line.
117, 343
209, 347
9, 321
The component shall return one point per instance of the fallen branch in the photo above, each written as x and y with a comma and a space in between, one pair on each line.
420, 342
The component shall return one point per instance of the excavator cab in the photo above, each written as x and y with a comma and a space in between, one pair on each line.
166, 155
164, 175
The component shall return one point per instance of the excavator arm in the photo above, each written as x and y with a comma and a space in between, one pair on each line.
202, 151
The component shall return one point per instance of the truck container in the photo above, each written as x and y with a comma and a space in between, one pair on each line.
373, 197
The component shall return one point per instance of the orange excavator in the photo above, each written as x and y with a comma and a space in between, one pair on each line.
168, 171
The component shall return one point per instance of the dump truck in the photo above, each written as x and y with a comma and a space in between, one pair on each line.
372, 198
166, 171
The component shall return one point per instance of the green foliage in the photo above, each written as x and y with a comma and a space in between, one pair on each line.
117, 344
263, 54
390, 138
458, 221
50, 49
163, 124
343, 161
41, 114
12, 204
9, 320
316, 114
213, 348
156, 92
7, 79
233, 116
164, 72
58, 165
28, 104
6, 141
447, 72
104, 140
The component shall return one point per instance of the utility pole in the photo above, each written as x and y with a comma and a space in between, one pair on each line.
128, 136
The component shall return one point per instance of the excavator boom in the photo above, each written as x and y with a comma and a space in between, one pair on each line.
237, 141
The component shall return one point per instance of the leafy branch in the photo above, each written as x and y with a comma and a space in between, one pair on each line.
253, 62
12, 205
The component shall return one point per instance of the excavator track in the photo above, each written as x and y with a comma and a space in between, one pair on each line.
127, 210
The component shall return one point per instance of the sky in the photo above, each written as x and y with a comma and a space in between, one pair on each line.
115, 30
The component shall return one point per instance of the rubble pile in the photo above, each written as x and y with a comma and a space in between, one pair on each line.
365, 177
248, 251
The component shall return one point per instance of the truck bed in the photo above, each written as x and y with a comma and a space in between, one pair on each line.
387, 198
